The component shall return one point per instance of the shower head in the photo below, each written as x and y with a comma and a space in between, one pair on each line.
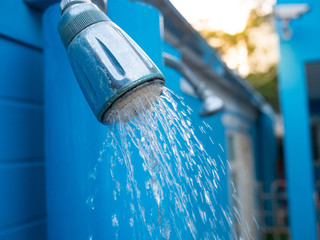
111, 69
211, 103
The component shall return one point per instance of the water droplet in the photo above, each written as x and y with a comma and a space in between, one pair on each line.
115, 222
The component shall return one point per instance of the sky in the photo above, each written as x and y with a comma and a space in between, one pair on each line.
229, 16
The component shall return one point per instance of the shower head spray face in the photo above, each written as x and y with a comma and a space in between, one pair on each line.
107, 63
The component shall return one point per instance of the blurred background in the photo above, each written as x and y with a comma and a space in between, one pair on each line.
243, 33
260, 57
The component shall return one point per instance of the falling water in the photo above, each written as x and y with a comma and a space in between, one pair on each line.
166, 183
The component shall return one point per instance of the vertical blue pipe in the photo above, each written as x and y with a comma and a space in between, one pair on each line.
295, 53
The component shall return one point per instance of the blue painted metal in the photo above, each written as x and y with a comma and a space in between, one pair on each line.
73, 136
303, 47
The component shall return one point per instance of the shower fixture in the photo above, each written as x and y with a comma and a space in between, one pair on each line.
111, 69
288, 12
211, 103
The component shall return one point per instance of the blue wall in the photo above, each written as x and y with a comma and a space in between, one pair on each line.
22, 178
217, 150
267, 156
267, 149
24, 118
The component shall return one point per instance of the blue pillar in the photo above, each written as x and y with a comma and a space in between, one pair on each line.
303, 47
74, 138
297, 146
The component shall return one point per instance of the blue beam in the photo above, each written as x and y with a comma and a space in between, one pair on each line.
295, 53
297, 146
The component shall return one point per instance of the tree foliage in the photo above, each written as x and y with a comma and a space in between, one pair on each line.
267, 85
266, 81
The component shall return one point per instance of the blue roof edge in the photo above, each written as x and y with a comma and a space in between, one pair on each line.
207, 53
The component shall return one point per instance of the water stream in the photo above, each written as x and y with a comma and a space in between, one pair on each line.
164, 183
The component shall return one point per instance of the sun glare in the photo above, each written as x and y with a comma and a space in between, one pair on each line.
229, 16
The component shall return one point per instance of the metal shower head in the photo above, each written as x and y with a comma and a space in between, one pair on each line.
109, 66
211, 103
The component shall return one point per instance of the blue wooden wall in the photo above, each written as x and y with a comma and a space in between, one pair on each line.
22, 175
22, 185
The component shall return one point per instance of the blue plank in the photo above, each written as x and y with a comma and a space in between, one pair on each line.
22, 183
22, 187
21, 22
21, 127
35, 230
21, 69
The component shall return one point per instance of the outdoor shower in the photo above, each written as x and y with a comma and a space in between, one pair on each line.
211, 103
110, 67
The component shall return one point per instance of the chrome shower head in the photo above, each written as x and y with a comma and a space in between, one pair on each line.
211, 103
111, 69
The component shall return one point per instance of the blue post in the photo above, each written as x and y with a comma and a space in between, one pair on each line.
74, 138
297, 146
303, 47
